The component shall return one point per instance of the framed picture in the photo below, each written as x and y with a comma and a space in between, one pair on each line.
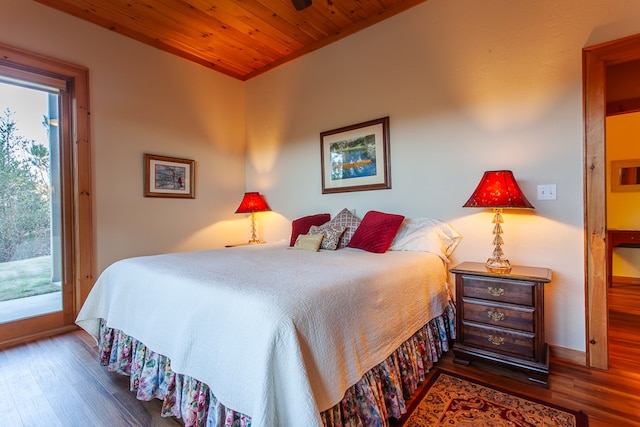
356, 157
625, 175
169, 177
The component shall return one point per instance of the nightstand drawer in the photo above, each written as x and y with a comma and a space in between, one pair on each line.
499, 340
506, 316
515, 292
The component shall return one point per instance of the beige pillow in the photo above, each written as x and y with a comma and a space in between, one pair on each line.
308, 242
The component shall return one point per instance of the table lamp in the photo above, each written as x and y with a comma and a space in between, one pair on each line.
253, 202
498, 190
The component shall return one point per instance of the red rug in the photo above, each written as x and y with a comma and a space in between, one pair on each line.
453, 400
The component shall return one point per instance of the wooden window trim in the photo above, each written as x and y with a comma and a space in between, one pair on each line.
80, 253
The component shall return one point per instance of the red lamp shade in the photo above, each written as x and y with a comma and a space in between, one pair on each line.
252, 202
498, 189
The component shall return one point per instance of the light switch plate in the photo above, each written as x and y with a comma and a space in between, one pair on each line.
547, 192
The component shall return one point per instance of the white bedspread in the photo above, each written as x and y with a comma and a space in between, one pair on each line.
277, 334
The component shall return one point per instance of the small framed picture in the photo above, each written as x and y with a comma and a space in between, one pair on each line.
356, 157
169, 177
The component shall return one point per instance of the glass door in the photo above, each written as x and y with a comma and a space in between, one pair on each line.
31, 226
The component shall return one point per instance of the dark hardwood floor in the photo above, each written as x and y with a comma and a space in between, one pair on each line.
624, 327
57, 381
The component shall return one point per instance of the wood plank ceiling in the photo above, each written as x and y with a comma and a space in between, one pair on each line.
240, 38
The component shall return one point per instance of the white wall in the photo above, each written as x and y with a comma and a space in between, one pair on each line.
146, 101
469, 86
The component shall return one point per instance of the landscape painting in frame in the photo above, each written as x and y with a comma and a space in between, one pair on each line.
356, 157
169, 177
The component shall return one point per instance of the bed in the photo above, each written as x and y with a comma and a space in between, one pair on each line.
267, 335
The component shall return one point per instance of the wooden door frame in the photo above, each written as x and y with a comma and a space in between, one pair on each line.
77, 188
595, 59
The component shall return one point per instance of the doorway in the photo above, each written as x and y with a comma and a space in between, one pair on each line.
595, 61
622, 154
50, 195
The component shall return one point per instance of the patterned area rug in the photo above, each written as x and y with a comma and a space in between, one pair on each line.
453, 400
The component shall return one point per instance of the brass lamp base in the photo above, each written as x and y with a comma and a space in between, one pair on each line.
254, 235
497, 264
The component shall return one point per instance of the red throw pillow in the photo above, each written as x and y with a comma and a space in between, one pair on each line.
302, 225
376, 231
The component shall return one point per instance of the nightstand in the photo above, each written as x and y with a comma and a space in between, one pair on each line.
500, 318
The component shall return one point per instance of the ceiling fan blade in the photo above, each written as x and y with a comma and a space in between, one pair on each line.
301, 4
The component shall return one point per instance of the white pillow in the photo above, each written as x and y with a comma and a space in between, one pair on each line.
426, 235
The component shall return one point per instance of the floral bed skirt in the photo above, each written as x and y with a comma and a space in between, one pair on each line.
380, 394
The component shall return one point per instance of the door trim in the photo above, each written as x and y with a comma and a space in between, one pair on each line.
595, 59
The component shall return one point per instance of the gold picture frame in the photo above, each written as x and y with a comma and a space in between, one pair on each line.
169, 177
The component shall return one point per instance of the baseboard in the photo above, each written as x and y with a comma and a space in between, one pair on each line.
45, 334
622, 280
568, 355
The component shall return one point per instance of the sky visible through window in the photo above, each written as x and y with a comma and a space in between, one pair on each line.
28, 106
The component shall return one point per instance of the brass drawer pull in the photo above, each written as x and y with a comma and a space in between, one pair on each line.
496, 316
496, 292
495, 340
